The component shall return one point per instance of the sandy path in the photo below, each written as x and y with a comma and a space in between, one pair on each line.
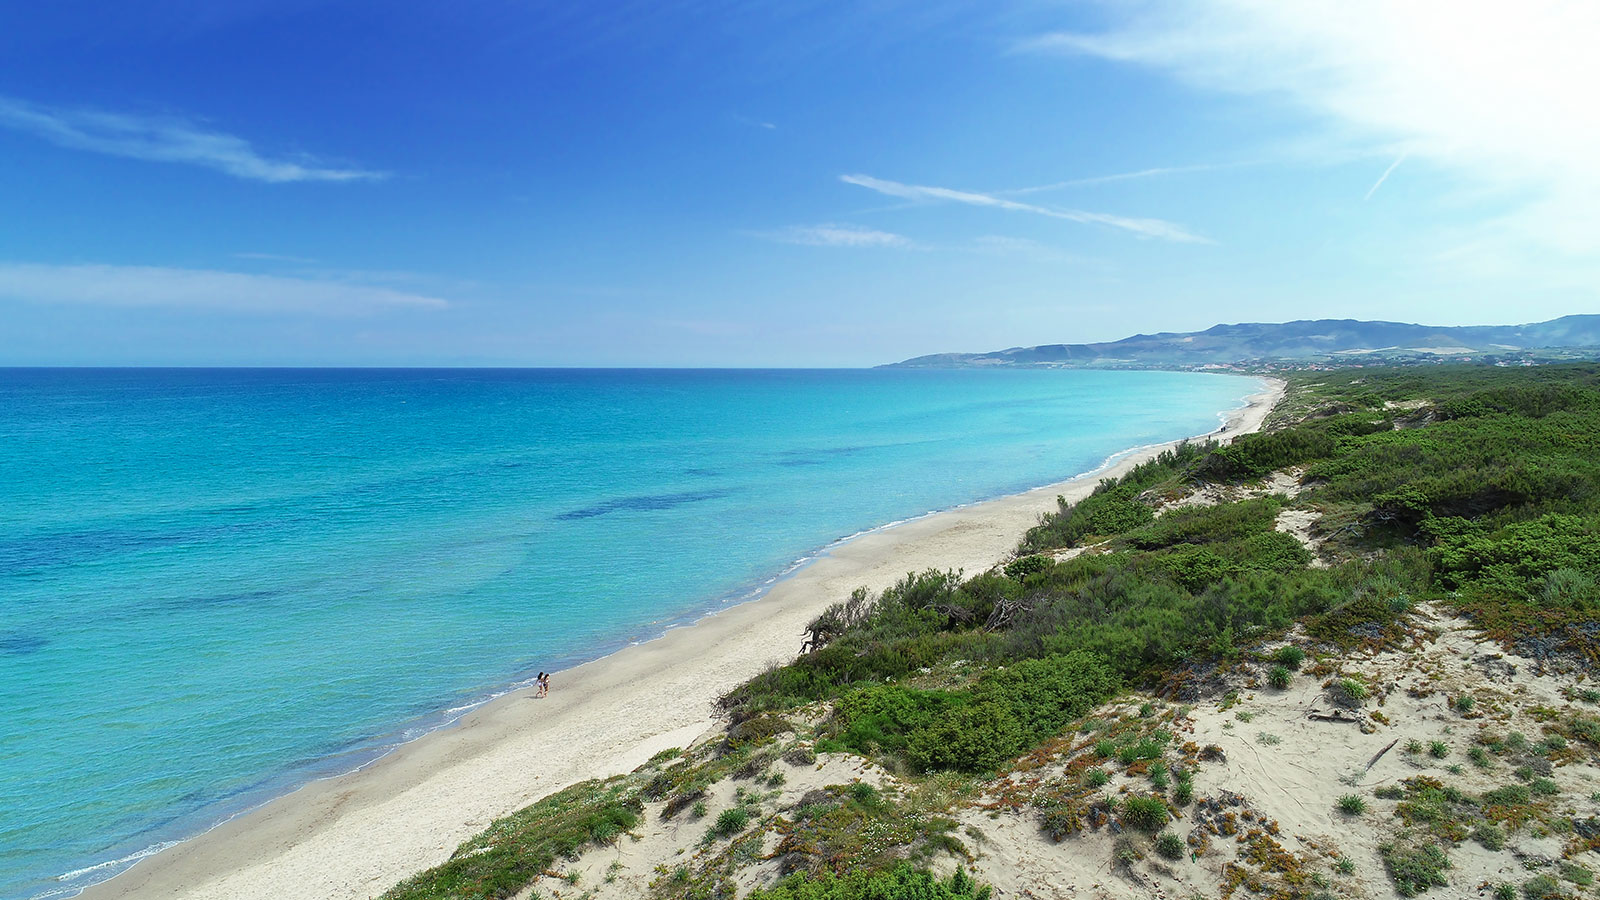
357, 835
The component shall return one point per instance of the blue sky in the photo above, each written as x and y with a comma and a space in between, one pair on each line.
772, 184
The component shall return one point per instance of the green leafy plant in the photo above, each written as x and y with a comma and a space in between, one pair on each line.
1145, 812
731, 821
1290, 656
1352, 804
1414, 870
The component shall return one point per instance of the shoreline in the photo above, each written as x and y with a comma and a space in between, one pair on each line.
358, 834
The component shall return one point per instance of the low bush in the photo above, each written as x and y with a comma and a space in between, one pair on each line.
1541, 887
1145, 812
1414, 870
975, 738
515, 850
1348, 692
1280, 677
731, 821
900, 883
1352, 804
1169, 845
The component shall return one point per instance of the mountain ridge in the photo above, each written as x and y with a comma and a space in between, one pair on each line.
1303, 341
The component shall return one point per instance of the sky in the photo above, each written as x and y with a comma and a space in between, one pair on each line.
777, 182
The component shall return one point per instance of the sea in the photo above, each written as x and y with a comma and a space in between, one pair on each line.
217, 585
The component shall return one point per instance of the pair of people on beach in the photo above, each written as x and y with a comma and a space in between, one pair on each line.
544, 685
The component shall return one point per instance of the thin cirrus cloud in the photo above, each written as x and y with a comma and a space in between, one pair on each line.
1150, 228
165, 139
1500, 95
841, 236
142, 287
1119, 176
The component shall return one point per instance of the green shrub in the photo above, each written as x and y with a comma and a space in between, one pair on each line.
1254, 455
1019, 569
1415, 869
1479, 757
1345, 866
1290, 656
1348, 692
1464, 704
1543, 787
502, 860
976, 738
1145, 812
1352, 804
1541, 887
1112, 509
1143, 748
1169, 845
881, 718
1159, 778
731, 821
1438, 749
900, 883
1505, 891
1510, 795
1096, 778
1491, 836
1280, 677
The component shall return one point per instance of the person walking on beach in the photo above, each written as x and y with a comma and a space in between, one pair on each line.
544, 685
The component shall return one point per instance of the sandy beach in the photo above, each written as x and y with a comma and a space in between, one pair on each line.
357, 835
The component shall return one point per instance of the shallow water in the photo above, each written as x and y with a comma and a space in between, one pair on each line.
215, 584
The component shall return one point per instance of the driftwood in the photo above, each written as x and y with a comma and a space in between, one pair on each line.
1335, 716
836, 620
1379, 755
1005, 611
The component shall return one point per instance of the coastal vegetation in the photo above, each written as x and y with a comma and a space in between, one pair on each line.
1049, 686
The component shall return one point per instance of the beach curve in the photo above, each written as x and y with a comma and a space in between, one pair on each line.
356, 835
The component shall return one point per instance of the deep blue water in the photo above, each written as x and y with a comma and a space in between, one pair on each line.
215, 584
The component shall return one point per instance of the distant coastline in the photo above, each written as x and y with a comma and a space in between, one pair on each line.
356, 834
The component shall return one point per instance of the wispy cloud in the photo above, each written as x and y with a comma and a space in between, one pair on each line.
1119, 176
1384, 177
1155, 228
166, 139
1501, 96
840, 236
755, 123
201, 289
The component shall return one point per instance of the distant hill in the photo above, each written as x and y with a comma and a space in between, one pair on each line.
1305, 342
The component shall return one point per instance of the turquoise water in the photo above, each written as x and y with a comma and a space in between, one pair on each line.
215, 584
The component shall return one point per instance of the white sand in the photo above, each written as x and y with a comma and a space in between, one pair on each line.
357, 835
